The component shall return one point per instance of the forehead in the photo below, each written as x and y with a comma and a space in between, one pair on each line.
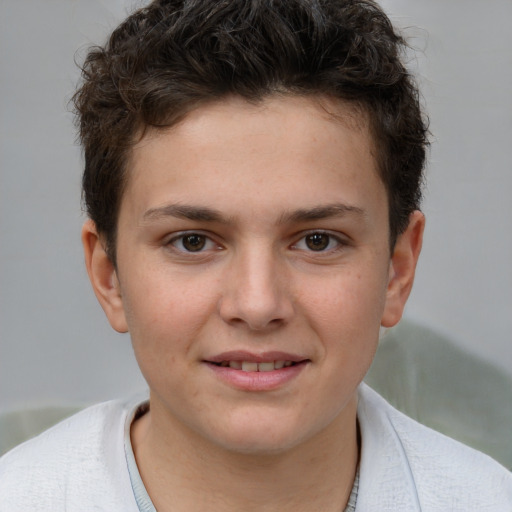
229, 145
308, 109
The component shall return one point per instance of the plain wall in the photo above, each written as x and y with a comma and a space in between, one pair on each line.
56, 345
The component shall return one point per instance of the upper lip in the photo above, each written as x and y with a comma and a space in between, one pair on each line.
243, 355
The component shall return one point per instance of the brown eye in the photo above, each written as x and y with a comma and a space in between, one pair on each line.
193, 242
317, 241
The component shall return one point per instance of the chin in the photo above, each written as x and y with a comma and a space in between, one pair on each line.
261, 446
256, 437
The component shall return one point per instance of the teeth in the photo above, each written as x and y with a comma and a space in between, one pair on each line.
266, 367
250, 366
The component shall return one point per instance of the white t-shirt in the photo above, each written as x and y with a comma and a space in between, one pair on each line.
81, 465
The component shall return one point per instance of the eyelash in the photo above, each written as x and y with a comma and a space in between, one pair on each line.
181, 237
209, 244
332, 239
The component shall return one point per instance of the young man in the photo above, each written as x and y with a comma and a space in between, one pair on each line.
252, 174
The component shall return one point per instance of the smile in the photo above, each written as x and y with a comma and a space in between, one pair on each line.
252, 366
257, 372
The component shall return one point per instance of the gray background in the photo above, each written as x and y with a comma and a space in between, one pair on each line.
56, 346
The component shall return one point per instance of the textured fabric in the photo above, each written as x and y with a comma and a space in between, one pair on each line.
18, 425
407, 467
352, 500
80, 465
431, 379
140, 493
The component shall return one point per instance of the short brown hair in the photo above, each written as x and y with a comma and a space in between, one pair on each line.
173, 55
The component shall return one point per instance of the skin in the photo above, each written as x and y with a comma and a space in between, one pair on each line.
267, 176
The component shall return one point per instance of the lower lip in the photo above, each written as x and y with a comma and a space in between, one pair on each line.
258, 381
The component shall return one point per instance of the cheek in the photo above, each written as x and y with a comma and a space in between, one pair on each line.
345, 313
346, 300
165, 315
158, 298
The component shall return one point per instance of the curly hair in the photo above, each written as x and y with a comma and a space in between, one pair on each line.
170, 57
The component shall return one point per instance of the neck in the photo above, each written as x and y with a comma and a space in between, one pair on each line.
182, 469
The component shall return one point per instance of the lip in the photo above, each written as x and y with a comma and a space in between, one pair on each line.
259, 380
243, 355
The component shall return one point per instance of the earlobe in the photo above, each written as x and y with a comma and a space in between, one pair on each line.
103, 277
402, 269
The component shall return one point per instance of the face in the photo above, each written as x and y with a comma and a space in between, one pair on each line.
254, 270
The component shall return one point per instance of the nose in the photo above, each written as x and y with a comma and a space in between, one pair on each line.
256, 291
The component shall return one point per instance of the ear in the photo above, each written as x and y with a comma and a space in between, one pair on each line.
103, 277
402, 268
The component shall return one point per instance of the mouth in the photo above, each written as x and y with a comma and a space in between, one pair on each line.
253, 366
251, 372
252, 362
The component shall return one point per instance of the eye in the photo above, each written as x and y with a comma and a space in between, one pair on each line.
318, 241
192, 242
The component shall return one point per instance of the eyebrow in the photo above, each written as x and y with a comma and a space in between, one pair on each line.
203, 213
321, 212
184, 212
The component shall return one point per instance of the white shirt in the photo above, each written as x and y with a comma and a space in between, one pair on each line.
80, 465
